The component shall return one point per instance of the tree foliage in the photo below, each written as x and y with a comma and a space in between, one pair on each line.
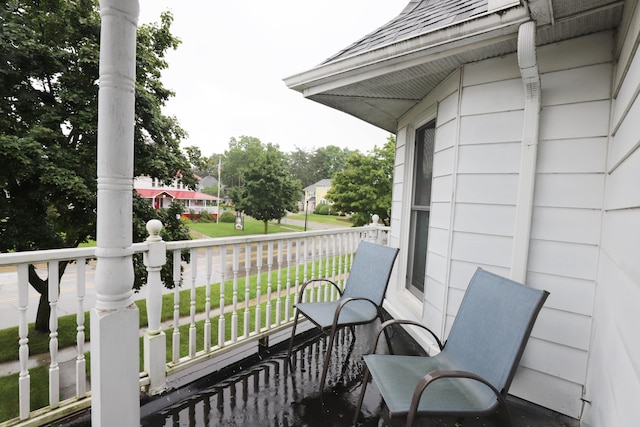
267, 190
48, 122
242, 154
310, 166
364, 187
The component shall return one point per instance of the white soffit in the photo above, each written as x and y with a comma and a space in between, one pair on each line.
495, 5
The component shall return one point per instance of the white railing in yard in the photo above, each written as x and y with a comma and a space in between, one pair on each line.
240, 291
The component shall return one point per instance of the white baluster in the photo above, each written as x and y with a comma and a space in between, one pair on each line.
269, 280
305, 266
247, 289
192, 303
258, 316
287, 301
317, 261
175, 338
298, 262
207, 301
234, 313
81, 363
327, 287
24, 379
334, 261
279, 285
54, 369
341, 254
221, 320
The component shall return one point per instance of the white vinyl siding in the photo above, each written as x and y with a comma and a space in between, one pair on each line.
585, 224
613, 380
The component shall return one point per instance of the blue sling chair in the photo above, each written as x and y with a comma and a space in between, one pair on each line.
473, 371
359, 303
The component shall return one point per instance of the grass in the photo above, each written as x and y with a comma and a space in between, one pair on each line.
226, 229
325, 219
39, 395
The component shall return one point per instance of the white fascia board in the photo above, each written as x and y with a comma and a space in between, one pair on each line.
406, 53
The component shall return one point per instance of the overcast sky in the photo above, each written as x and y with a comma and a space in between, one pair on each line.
228, 72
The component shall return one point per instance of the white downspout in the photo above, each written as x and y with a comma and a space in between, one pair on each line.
526, 185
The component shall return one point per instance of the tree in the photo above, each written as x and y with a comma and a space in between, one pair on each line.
299, 166
312, 166
48, 124
329, 160
241, 154
364, 187
268, 190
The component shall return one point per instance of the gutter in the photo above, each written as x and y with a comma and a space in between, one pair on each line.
526, 185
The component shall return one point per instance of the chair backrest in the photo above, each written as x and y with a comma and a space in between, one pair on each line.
370, 272
492, 327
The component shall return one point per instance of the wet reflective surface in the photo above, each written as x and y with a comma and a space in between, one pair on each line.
270, 393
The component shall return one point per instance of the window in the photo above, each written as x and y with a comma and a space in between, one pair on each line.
420, 208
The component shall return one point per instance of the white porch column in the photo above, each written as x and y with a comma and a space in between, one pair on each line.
114, 319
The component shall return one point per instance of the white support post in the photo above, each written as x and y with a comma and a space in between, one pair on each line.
155, 349
115, 319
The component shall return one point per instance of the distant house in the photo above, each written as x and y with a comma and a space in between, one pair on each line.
161, 196
316, 194
517, 128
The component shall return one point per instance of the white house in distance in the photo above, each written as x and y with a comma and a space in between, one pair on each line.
518, 135
161, 196
315, 194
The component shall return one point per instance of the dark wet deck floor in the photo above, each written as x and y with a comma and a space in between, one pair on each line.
268, 393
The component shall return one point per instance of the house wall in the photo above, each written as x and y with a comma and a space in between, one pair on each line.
613, 380
479, 112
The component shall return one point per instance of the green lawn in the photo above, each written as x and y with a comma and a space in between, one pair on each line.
251, 226
325, 219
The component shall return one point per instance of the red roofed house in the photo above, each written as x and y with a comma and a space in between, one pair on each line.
161, 196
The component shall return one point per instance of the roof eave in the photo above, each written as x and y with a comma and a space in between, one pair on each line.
404, 53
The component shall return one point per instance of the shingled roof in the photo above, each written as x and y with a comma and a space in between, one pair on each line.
418, 17
384, 74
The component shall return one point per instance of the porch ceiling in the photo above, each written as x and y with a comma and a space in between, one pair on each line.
383, 75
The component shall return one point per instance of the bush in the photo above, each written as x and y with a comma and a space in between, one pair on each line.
228, 216
205, 216
322, 209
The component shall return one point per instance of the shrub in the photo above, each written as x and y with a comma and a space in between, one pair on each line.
322, 209
228, 216
205, 216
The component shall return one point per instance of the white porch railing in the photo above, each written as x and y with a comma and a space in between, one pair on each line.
240, 291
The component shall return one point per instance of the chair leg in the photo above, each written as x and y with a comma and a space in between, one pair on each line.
388, 339
327, 357
293, 335
508, 421
365, 381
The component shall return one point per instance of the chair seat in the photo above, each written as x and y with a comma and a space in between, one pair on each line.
353, 313
397, 377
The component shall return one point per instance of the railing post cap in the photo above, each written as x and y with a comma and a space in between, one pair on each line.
375, 218
154, 226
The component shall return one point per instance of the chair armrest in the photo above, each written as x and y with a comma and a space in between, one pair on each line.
344, 302
437, 375
392, 322
310, 281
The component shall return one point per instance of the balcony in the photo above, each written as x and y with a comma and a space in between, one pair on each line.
264, 390
219, 359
